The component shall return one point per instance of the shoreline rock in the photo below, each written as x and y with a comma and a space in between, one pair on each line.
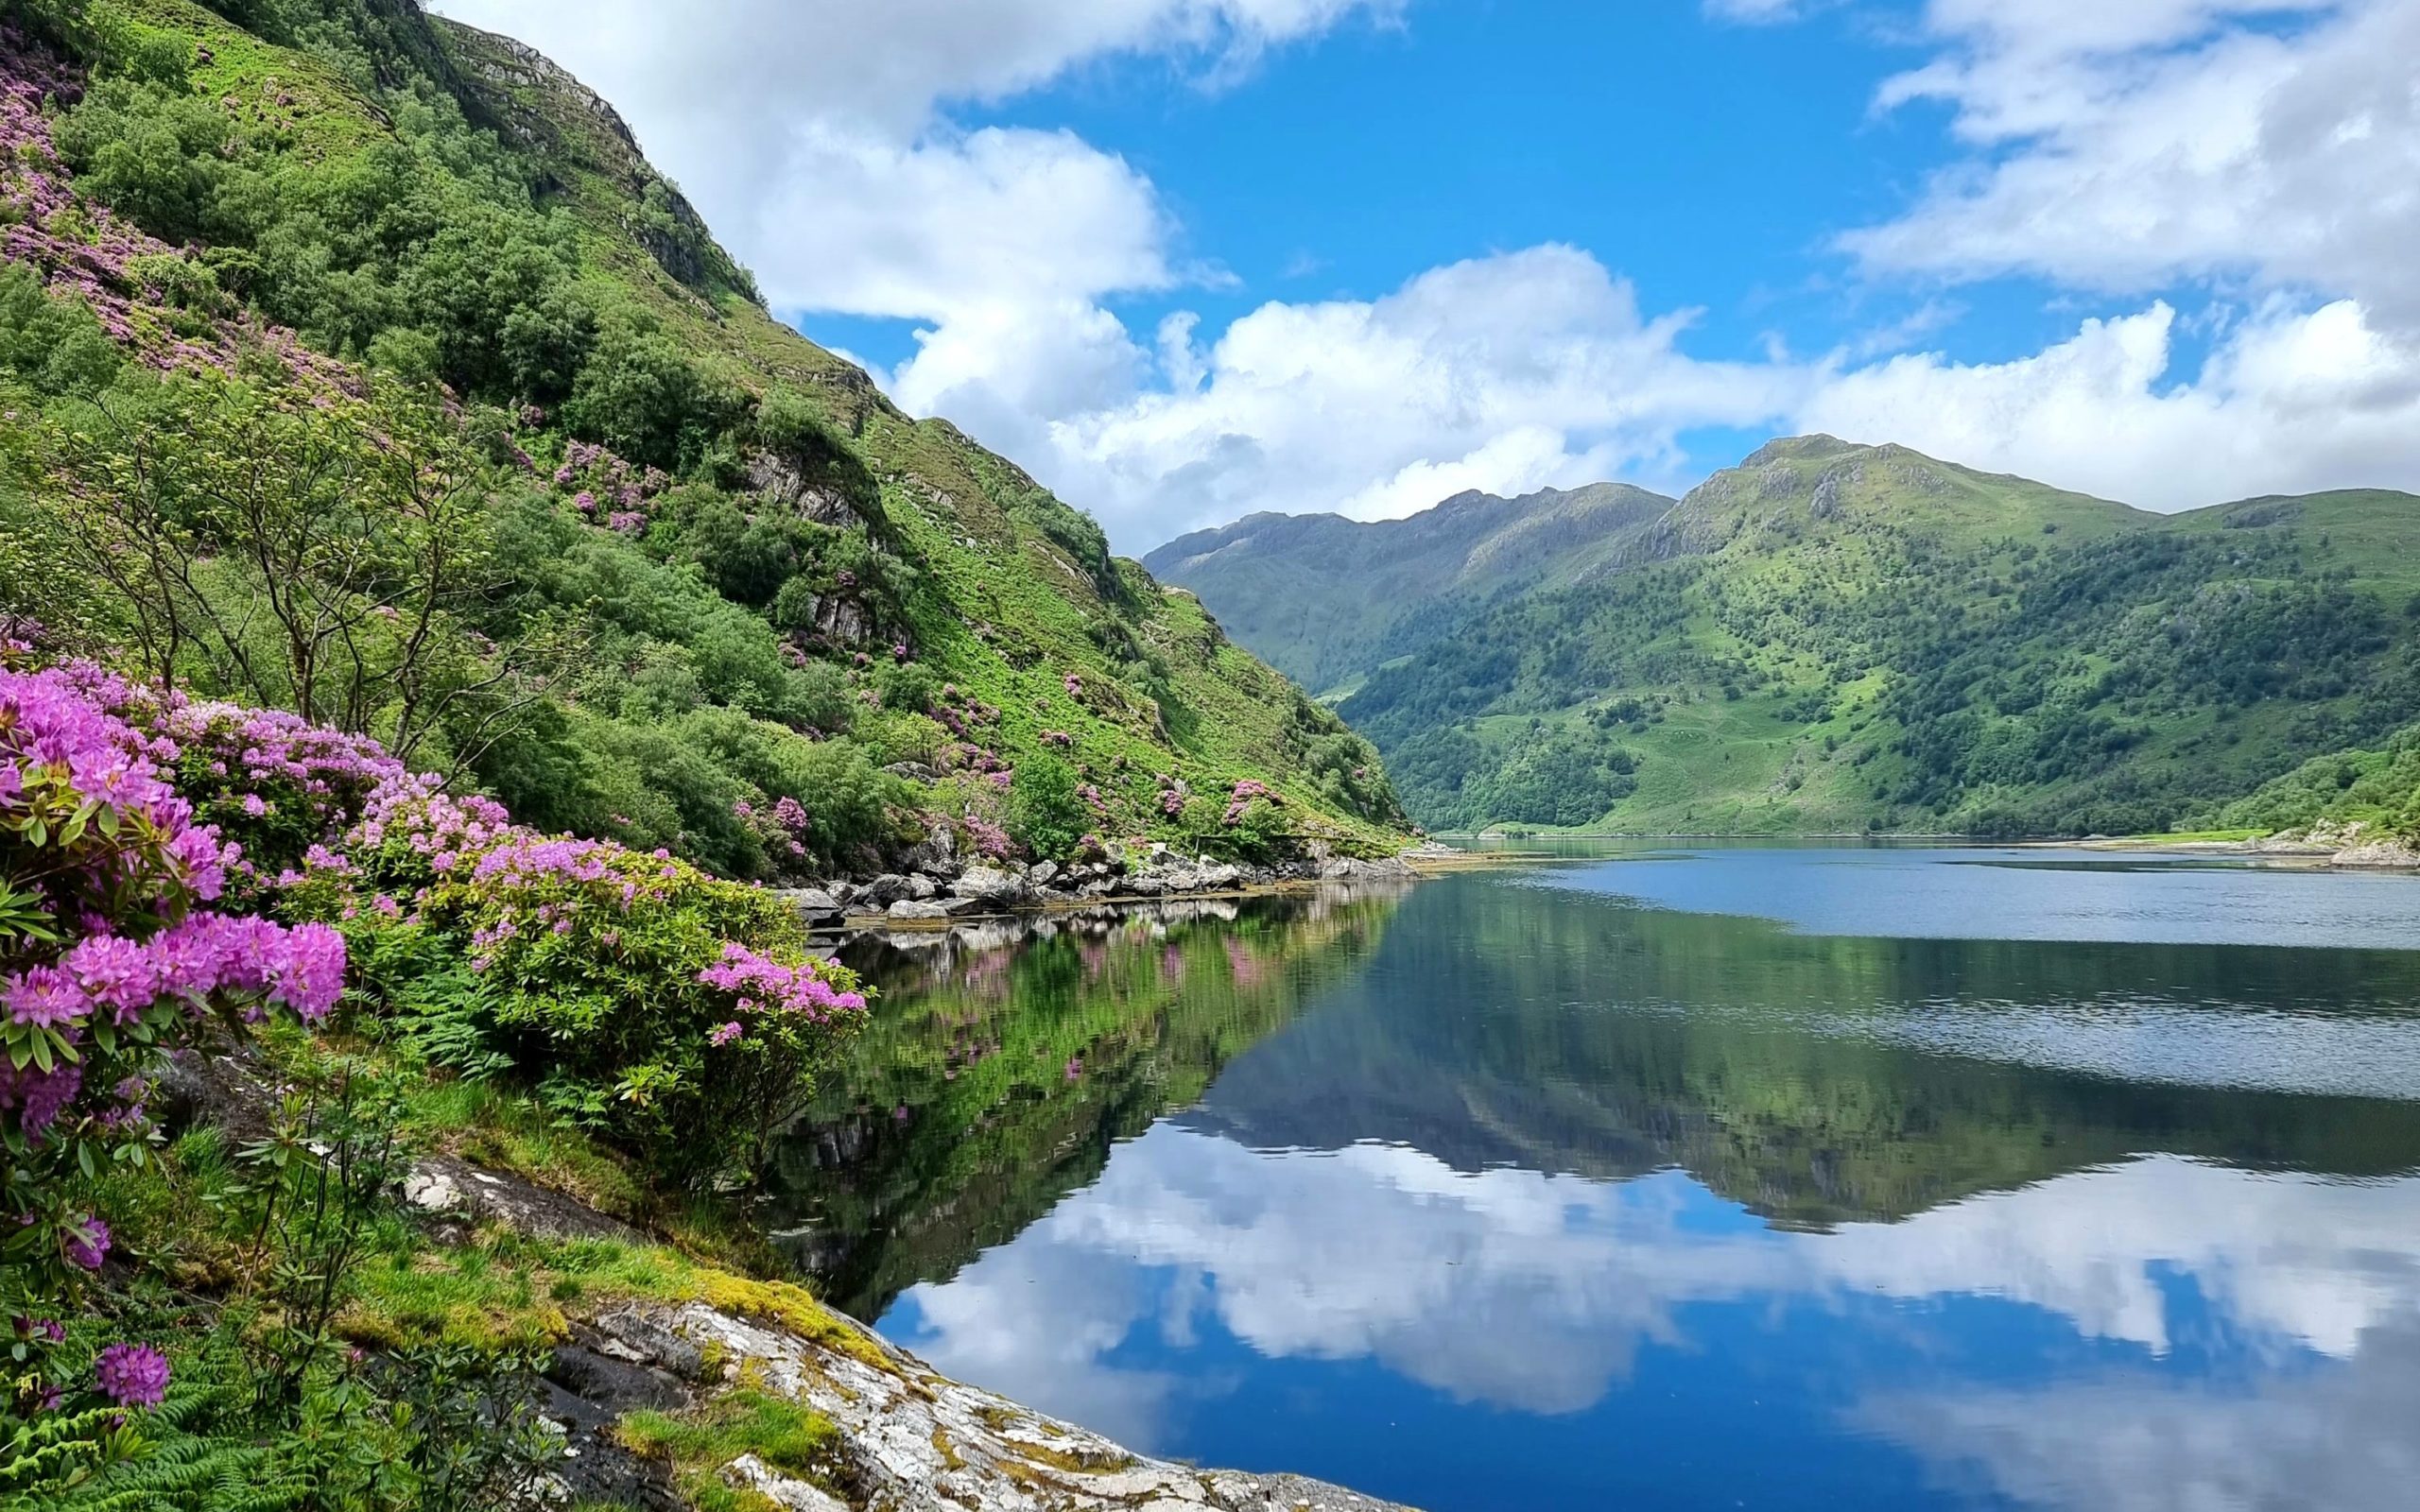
2346, 846
909, 1437
948, 890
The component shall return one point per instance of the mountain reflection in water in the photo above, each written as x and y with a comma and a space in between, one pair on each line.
1583, 1186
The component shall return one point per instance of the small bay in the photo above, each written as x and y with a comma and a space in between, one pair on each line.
1673, 1176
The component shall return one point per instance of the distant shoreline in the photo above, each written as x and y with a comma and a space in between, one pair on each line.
2347, 852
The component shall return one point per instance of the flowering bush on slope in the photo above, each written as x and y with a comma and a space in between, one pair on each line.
612, 977
108, 960
269, 781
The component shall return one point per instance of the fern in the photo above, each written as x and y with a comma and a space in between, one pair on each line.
443, 1019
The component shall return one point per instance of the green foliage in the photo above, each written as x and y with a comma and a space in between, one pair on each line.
700, 1443
1836, 638
2377, 789
641, 635
318, 556
642, 396
156, 153
271, 1405
672, 1011
1045, 815
56, 347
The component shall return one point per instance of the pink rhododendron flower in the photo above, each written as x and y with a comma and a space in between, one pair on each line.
132, 1375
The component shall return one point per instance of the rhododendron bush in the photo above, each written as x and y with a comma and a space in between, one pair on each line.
110, 955
610, 977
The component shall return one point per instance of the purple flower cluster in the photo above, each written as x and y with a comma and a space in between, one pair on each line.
782, 830
92, 830
83, 250
38, 1097
1059, 738
88, 1243
608, 486
270, 781
988, 839
763, 985
132, 1375
1240, 801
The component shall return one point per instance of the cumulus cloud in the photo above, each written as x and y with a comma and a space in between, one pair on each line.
815, 134
2121, 146
1537, 369
2150, 152
2333, 1439
1535, 1293
1509, 373
2290, 401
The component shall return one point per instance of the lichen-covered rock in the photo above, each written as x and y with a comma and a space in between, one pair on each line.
910, 1439
987, 885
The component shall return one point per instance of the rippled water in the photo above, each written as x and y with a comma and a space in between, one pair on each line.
1772, 1178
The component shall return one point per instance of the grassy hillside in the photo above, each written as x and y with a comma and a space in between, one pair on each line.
1833, 638
2376, 789
703, 565
1326, 598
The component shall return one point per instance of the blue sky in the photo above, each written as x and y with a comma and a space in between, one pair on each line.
1184, 259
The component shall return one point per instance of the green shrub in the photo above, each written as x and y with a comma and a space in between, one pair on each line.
677, 1014
1045, 815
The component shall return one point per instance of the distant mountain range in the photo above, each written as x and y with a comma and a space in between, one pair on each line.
1835, 638
1334, 598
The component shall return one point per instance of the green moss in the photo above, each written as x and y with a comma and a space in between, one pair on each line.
697, 1444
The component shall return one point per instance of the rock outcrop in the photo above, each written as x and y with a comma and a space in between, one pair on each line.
911, 1439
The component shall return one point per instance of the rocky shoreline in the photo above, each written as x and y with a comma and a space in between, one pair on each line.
904, 1439
940, 889
2355, 847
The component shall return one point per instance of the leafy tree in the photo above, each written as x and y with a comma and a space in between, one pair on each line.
306, 556
1045, 814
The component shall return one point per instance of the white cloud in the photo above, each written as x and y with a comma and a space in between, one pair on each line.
1507, 373
814, 135
2290, 401
2124, 146
1755, 12
2332, 1439
1534, 1292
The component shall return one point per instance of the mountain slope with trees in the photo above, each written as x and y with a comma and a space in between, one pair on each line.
435, 599
362, 364
1330, 597
1833, 638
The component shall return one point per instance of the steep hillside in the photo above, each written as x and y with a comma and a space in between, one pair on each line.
2366, 796
703, 565
1325, 598
1833, 638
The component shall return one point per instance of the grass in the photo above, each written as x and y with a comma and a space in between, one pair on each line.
697, 1445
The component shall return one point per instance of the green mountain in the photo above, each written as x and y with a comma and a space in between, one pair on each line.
358, 362
1833, 638
1331, 598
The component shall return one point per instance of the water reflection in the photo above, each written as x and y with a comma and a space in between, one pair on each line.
1008, 1058
1509, 1195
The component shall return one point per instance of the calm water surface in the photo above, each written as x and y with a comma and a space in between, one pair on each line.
1769, 1178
